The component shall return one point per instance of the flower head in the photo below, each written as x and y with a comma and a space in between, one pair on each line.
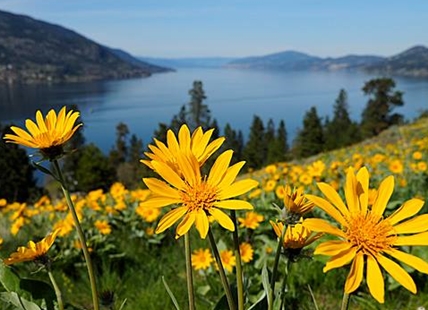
49, 134
202, 259
246, 251
295, 203
228, 260
196, 143
199, 196
103, 227
33, 251
251, 220
366, 237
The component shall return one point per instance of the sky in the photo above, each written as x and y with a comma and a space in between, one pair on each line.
232, 28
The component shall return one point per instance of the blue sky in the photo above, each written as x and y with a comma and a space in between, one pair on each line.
191, 28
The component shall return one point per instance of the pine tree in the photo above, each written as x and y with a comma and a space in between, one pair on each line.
341, 130
255, 149
310, 139
129, 173
278, 148
119, 153
198, 112
377, 116
178, 120
233, 141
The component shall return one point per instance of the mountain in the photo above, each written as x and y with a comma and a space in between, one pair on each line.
36, 51
149, 66
189, 62
297, 61
413, 62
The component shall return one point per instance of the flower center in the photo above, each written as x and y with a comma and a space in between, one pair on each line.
370, 233
199, 197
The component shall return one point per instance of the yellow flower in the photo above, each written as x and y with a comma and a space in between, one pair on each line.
251, 221
417, 155
295, 201
103, 227
148, 214
305, 179
228, 260
368, 238
33, 251
396, 166
296, 236
246, 251
422, 166
316, 169
199, 196
49, 134
270, 185
196, 144
201, 259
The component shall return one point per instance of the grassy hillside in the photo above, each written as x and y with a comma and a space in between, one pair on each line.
131, 260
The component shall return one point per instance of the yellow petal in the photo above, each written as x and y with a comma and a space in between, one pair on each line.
350, 191
159, 202
375, 279
411, 260
169, 175
236, 189
211, 148
222, 218
32, 127
397, 272
363, 188
341, 259
418, 239
408, 209
355, 274
22, 133
415, 225
184, 137
190, 168
219, 168
332, 247
234, 204
161, 188
172, 142
185, 224
327, 208
170, 218
385, 190
231, 174
320, 225
202, 223
334, 197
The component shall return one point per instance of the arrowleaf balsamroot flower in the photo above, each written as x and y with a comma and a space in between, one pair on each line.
196, 143
199, 196
49, 134
33, 251
367, 238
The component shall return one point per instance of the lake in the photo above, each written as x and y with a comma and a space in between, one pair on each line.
234, 96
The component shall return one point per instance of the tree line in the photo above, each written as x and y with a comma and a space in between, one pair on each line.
88, 168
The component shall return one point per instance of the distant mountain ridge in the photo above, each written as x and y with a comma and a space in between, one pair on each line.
36, 51
189, 62
412, 62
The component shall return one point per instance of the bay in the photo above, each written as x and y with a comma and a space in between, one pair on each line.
234, 97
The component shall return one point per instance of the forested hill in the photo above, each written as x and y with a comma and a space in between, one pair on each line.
412, 62
36, 51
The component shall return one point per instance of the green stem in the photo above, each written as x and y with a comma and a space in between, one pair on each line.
239, 274
275, 265
57, 291
345, 301
189, 272
284, 283
223, 277
81, 236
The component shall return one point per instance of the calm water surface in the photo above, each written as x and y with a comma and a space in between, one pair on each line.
234, 96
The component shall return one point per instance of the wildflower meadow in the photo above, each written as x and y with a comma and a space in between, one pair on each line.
347, 229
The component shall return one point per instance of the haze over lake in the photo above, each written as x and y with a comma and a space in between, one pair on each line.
234, 96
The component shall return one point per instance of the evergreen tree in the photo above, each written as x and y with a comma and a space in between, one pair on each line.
119, 153
130, 173
233, 141
178, 120
17, 182
160, 133
341, 130
377, 116
310, 139
278, 148
94, 170
198, 112
255, 149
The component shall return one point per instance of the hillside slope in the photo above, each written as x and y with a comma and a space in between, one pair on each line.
35, 51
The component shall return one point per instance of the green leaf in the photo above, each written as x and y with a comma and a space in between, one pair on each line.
266, 285
17, 301
39, 290
171, 294
8, 278
259, 304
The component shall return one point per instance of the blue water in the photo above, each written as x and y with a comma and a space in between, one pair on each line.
234, 96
